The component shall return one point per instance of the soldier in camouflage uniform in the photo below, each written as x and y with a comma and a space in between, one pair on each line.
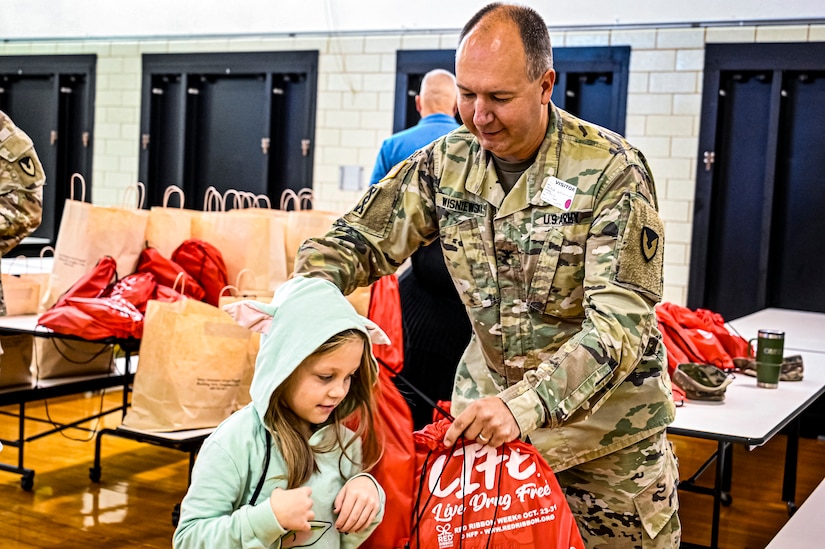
21, 189
550, 230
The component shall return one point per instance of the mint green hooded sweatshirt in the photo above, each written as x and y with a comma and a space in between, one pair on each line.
216, 512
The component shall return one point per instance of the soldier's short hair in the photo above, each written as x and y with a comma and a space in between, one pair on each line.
533, 31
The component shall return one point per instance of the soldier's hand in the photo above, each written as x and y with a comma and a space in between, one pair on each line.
487, 421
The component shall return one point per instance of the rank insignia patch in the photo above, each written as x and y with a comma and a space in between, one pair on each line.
365, 201
27, 165
650, 243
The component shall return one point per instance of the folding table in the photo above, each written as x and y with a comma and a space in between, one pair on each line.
121, 376
751, 416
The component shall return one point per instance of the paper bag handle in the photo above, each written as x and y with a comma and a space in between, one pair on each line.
240, 277
182, 281
235, 291
307, 199
289, 196
213, 198
242, 199
140, 195
170, 190
262, 198
10, 268
82, 187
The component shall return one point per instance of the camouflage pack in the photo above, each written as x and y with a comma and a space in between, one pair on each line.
702, 381
792, 367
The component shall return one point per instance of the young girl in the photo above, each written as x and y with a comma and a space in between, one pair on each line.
284, 471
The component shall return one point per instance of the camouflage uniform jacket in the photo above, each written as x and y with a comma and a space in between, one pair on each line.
559, 277
21, 189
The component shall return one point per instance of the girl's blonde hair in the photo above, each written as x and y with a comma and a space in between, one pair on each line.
357, 409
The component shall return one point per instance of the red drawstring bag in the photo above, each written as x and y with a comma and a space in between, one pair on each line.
93, 283
204, 263
165, 293
690, 334
472, 496
136, 288
393, 422
735, 345
168, 273
97, 318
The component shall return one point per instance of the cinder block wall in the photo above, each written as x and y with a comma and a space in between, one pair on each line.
355, 105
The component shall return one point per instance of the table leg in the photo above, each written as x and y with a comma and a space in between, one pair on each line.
718, 488
127, 383
725, 496
791, 457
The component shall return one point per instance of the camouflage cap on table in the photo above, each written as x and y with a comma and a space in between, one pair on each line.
702, 381
792, 367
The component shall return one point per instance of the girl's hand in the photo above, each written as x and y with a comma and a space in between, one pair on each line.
293, 508
357, 505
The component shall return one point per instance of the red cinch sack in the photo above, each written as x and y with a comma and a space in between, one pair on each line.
205, 263
135, 288
168, 273
691, 335
393, 422
97, 318
473, 497
735, 345
93, 283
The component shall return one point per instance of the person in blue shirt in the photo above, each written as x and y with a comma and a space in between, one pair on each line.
436, 327
436, 103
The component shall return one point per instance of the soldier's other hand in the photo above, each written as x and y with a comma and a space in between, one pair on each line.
487, 421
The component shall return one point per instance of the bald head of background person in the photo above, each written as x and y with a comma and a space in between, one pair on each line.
437, 94
436, 103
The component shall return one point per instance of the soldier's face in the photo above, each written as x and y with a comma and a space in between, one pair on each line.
498, 103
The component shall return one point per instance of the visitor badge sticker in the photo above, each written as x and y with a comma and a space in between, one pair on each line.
558, 193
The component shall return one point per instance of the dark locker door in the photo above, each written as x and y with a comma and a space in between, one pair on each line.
589, 96
757, 214
161, 155
290, 143
591, 83
241, 121
796, 278
736, 256
227, 122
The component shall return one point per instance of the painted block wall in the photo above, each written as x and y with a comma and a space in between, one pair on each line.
355, 105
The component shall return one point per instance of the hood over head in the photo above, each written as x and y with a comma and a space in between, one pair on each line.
303, 314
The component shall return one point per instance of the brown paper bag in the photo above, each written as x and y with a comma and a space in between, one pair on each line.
21, 294
303, 223
243, 240
88, 232
167, 227
232, 293
360, 299
15, 360
28, 282
279, 270
55, 357
193, 360
244, 397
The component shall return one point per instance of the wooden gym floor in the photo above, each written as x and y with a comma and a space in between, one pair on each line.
140, 484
